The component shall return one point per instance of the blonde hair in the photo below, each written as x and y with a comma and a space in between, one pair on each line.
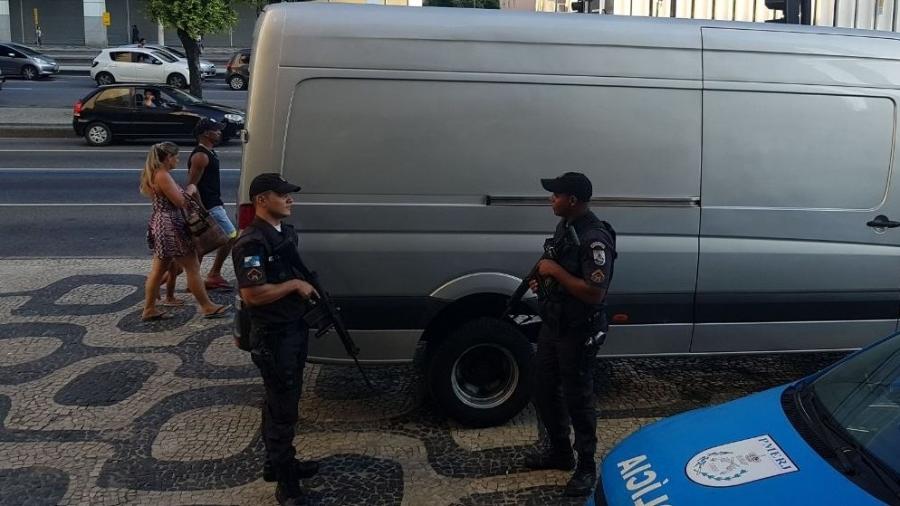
157, 156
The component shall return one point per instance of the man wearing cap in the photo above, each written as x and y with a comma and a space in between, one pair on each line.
203, 171
275, 296
574, 325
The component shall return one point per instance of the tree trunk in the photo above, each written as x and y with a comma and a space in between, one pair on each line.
192, 50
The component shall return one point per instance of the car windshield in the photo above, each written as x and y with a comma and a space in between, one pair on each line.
25, 49
182, 97
164, 57
175, 52
862, 395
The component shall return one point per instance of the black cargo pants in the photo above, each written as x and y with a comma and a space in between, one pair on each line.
564, 390
279, 351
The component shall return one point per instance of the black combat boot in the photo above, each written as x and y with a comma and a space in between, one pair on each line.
582, 481
305, 469
553, 458
288, 491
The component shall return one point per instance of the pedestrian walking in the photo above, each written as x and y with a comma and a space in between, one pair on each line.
167, 233
276, 298
203, 171
135, 34
39, 35
574, 325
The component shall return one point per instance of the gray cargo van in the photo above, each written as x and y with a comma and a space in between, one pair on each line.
747, 168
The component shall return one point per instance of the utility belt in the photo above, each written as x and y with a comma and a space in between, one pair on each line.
572, 317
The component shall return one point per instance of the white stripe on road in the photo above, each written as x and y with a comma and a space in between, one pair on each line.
73, 169
40, 150
88, 204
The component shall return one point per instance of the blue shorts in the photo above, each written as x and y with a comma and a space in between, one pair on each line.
221, 217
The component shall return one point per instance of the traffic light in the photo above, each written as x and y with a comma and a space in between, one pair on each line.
796, 12
578, 6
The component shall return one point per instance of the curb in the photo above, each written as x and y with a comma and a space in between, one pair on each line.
37, 131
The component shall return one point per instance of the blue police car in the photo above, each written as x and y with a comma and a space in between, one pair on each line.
831, 438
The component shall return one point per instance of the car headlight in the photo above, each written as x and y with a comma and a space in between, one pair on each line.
234, 118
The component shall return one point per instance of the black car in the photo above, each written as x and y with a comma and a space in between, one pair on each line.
237, 72
142, 111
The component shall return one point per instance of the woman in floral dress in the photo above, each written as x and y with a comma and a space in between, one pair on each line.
167, 233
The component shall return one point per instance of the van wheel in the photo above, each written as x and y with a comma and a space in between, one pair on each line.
98, 134
480, 374
105, 78
177, 81
237, 82
29, 72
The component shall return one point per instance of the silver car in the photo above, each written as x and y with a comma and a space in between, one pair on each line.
19, 60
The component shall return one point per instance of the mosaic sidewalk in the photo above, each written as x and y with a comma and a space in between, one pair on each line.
97, 407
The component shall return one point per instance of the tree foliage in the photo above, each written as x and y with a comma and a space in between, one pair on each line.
192, 19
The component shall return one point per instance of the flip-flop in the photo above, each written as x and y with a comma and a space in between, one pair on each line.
221, 312
177, 303
157, 317
217, 285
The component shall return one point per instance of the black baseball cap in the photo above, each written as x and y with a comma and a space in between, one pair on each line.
271, 182
570, 183
206, 124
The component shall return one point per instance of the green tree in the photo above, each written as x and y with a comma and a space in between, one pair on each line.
478, 4
191, 19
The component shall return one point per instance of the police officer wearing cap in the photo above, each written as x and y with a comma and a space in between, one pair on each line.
275, 296
574, 325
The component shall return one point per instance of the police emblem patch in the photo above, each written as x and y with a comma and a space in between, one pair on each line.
251, 261
254, 275
598, 250
598, 276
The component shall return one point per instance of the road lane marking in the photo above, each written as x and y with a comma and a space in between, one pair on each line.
18, 89
39, 150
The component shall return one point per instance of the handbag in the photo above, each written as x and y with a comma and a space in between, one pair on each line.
204, 229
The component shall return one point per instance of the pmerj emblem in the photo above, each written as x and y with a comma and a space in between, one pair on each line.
739, 462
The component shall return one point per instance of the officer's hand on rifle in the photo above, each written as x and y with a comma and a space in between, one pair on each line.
306, 290
548, 268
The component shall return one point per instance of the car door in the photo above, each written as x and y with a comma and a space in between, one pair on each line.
798, 196
142, 67
165, 121
121, 66
7, 60
115, 107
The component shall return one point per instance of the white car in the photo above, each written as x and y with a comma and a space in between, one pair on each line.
207, 68
139, 65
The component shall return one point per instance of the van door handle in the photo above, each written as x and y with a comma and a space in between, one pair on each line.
882, 221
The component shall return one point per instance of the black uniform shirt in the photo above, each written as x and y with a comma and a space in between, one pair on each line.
255, 264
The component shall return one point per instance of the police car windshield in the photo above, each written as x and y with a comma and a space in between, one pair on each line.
863, 396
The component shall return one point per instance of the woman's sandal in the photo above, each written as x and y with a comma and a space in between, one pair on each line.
220, 312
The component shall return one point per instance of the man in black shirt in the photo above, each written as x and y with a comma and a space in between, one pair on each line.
276, 298
203, 171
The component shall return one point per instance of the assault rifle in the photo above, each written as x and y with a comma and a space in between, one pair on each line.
552, 250
323, 314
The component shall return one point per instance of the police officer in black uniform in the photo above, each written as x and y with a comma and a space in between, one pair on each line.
276, 296
574, 325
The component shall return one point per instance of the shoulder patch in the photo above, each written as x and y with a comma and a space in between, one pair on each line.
598, 251
252, 261
598, 276
254, 275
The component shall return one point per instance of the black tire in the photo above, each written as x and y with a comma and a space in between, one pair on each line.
98, 134
480, 375
237, 82
105, 78
29, 72
177, 80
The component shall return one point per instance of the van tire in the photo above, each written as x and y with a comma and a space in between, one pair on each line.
105, 78
490, 351
98, 134
176, 80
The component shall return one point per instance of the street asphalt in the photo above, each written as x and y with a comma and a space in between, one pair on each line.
61, 198
64, 90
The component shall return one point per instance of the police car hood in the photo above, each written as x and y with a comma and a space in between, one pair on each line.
742, 452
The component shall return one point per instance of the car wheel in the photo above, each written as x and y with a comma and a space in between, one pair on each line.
177, 80
105, 78
237, 82
480, 374
29, 72
98, 134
